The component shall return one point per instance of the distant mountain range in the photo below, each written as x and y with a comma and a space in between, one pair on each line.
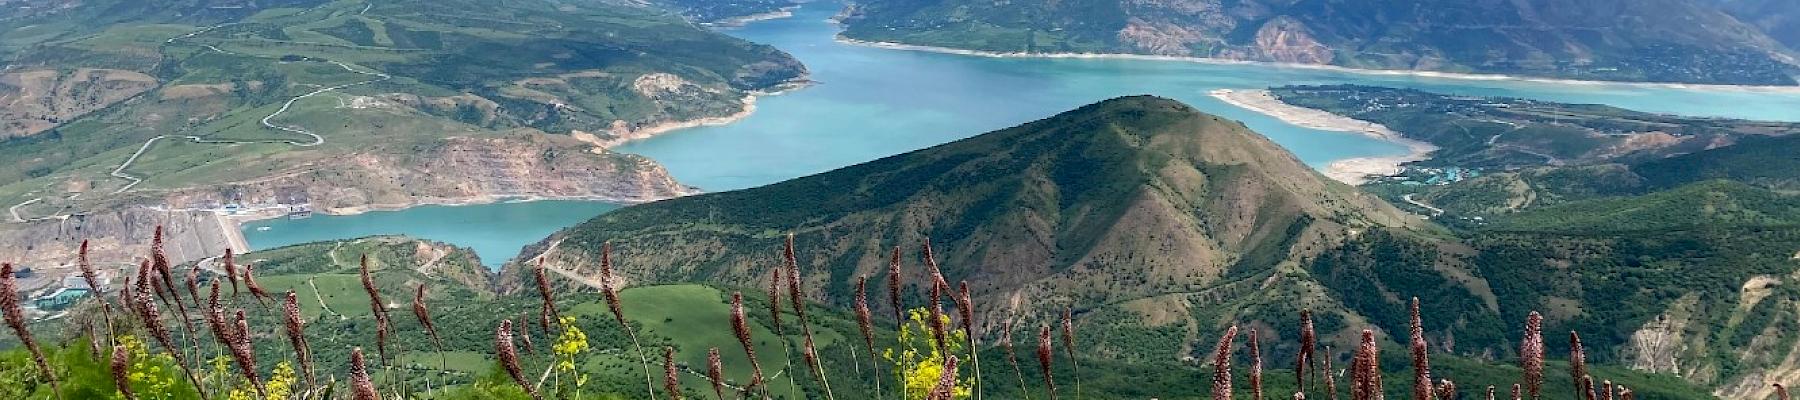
1780, 19
1690, 41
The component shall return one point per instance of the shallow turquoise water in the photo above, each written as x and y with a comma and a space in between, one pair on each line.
875, 102
871, 103
495, 231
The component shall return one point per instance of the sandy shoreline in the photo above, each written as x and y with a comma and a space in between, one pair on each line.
1353, 171
647, 132
739, 21
271, 213
1333, 68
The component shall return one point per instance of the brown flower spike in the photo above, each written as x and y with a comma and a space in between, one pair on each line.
865, 321
1366, 370
671, 378
15, 318
775, 300
377, 307
946, 385
296, 333
93, 281
1012, 357
894, 286
360, 385
741, 328
256, 290
550, 315
1577, 360
618, 310
1221, 378
231, 271
509, 357
1043, 354
1330, 382
424, 316
242, 352
1421, 362
715, 371
1256, 366
1531, 355
121, 371
1068, 338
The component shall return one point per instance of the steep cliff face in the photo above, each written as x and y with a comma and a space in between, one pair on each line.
118, 238
469, 169
458, 170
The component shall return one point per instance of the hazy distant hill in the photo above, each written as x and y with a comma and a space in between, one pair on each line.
1634, 40
1780, 19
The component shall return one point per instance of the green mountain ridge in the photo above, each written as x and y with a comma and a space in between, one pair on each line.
1253, 238
1121, 200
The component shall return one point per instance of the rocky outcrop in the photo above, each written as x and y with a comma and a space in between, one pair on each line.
117, 238
1686, 341
457, 170
1284, 39
466, 169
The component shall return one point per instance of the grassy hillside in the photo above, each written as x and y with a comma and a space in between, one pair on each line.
1713, 203
1490, 133
1757, 161
1127, 199
1767, 162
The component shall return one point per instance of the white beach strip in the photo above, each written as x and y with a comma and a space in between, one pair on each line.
1353, 171
1361, 71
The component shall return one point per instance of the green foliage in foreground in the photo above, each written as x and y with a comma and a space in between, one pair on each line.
700, 313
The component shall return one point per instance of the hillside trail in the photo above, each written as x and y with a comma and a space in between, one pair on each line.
312, 139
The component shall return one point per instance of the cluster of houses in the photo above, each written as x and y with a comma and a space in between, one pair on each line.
46, 295
1423, 176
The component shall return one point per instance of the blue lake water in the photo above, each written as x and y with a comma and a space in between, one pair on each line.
495, 231
873, 102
